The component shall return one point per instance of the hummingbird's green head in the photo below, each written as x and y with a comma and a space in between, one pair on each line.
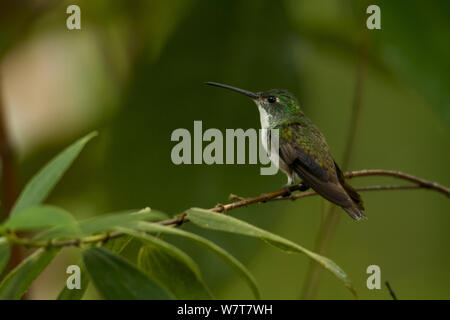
275, 106
278, 102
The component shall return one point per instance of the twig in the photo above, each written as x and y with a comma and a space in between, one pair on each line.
397, 174
362, 189
391, 292
281, 194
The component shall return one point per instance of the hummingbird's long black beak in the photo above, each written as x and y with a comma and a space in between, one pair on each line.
220, 85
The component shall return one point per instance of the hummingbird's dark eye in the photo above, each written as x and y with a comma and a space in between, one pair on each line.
272, 99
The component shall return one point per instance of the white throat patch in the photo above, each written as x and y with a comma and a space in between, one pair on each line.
264, 116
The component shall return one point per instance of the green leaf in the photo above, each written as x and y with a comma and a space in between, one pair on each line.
40, 217
221, 253
76, 294
117, 245
108, 222
102, 223
16, 283
5, 253
117, 279
39, 187
170, 267
216, 221
114, 245
60, 232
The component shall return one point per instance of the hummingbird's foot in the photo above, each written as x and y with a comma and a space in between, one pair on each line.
303, 187
265, 197
288, 187
287, 190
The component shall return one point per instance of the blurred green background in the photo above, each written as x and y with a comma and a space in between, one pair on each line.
135, 72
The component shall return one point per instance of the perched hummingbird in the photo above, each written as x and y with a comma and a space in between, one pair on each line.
303, 151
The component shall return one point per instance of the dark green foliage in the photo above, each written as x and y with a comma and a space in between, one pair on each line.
173, 269
117, 279
5, 252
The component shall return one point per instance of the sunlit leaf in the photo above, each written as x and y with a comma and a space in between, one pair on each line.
101, 223
40, 217
117, 245
39, 187
117, 279
171, 268
60, 232
17, 282
216, 221
108, 222
221, 253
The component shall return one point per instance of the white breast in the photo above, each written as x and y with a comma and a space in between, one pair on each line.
264, 116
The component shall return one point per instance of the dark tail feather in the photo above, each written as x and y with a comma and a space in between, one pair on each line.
355, 212
353, 194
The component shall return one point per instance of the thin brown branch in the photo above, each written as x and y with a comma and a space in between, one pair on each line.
362, 189
397, 174
391, 292
278, 195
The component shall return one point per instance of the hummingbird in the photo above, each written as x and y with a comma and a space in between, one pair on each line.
303, 151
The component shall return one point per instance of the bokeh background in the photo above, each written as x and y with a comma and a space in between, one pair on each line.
135, 72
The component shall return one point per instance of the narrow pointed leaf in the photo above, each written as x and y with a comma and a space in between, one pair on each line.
108, 222
60, 232
221, 253
212, 220
5, 253
114, 245
171, 268
40, 217
17, 282
76, 294
117, 245
39, 187
101, 223
117, 279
